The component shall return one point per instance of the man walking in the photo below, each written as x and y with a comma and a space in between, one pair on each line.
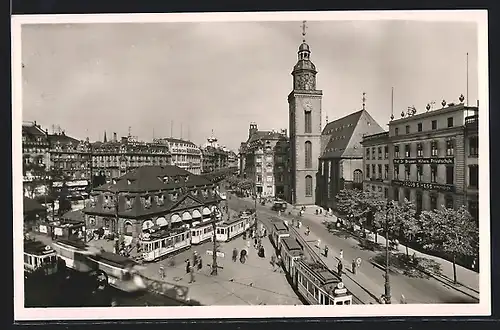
191, 273
162, 273
340, 267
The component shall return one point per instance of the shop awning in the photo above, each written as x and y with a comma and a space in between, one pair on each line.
206, 211
147, 224
161, 221
196, 214
175, 218
186, 216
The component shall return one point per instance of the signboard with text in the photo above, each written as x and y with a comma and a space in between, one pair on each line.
424, 185
444, 160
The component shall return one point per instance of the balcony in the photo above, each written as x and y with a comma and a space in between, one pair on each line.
472, 123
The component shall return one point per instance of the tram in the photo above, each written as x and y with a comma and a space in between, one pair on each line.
231, 228
122, 272
38, 256
163, 242
108, 268
317, 284
202, 232
278, 231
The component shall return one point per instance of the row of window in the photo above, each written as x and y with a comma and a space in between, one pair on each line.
434, 126
386, 152
473, 173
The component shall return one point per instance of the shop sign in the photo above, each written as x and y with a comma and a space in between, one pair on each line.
58, 231
408, 161
43, 229
424, 185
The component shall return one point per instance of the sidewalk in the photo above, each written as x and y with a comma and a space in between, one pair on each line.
467, 279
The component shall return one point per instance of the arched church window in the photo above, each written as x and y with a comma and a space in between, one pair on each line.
309, 185
358, 176
307, 122
308, 154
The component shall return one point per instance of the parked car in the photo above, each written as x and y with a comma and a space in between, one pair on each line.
279, 206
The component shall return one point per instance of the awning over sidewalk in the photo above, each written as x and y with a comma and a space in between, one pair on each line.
32, 206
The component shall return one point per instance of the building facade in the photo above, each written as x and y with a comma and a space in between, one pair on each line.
265, 159
376, 163
432, 158
184, 154
304, 105
36, 159
214, 156
115, 158
151, 196
341, 161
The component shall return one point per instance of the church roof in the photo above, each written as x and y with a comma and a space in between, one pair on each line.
344, 135
340, 132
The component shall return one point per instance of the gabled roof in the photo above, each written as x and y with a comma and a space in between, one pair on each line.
174, 140
340, 132
63, 138
261, 135
32, 129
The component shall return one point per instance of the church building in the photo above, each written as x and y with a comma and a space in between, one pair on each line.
322, 160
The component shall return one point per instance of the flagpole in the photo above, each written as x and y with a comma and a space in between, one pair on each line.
467, 93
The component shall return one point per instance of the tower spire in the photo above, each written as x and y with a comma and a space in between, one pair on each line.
105, 139
304, 27
364, 100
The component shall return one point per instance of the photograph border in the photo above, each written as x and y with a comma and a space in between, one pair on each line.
483, 308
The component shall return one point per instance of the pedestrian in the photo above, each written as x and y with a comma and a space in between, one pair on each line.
200, 263
138, 246
273, 260
320, 211
307, 231
341, 254
326, 251
340, 268
162, 272
195, 258
354, 266
255, 242
235, 254
191, 275
403, 299
318, 243
188, 266
317, 212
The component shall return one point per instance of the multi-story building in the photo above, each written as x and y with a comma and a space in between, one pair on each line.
266, 161
151, 196
214, 156
432, 157
232, 159
184, 154
35, 145
376, 163
115, 158
242, 159
341, 161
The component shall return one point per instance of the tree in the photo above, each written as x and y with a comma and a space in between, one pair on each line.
453, 232
407, 220
349, 203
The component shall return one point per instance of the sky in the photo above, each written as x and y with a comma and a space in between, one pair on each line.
204, 76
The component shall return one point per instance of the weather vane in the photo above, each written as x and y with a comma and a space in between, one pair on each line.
304, 27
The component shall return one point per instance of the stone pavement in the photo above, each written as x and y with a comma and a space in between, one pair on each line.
467, 279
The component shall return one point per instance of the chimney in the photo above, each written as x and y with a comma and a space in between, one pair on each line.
115, 138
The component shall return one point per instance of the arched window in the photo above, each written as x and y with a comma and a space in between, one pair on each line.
307, 122
127, 230
309, 185
308, 154
358, 176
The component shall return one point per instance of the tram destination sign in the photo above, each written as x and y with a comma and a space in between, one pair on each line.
442, 160
424, 185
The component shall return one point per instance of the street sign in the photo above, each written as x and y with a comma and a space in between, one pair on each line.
219, 254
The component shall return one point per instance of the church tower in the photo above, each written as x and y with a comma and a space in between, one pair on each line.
304, 103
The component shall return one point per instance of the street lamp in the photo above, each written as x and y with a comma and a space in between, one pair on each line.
387, 285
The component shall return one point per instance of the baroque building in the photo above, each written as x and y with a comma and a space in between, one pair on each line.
214, 156
36, 159
151, 196
305, 128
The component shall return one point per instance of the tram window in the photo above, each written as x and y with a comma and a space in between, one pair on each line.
321, 299
177, 239
30, 260
326, 300
182, 237
310, 288
163, 243
316, 293
157, 245
26, 259
338, 303
347, 302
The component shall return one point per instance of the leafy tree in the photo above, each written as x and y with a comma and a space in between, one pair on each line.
452, 231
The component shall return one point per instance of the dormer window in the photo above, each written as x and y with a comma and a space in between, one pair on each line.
205, 192
129, 181
128, 203
160, 199
173, 196
147, 201
114, 181
165, 179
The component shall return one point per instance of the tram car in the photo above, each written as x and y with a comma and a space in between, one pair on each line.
202, 232
231, 228
39, 257
122, 272
108, 268
158, 244
317, 284
279, 230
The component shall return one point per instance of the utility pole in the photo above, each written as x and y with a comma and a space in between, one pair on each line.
214, 249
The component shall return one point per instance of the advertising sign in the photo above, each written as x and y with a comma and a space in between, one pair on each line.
424, 185
408, 161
